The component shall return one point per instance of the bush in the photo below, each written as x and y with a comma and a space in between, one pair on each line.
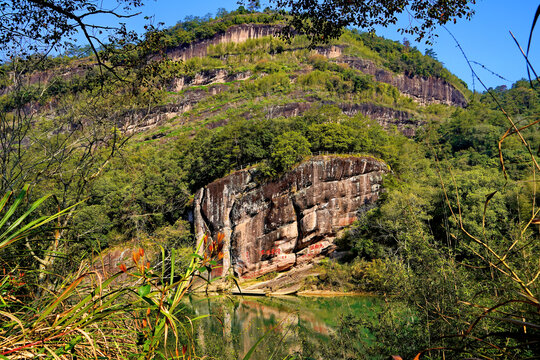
175, 236
287, 150
380, 275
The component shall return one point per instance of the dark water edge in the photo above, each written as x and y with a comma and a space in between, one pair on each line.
288, 327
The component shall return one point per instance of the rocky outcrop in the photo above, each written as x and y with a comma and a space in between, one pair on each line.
145, 119
44, 77
430, 90
331, 52
142, 120
290, 221
236, 34
217, 76
386, 117
423, 90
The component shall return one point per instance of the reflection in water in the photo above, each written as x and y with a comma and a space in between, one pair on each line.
286, 325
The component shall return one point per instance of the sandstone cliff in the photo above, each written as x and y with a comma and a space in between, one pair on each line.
143, 119
237, 33
423, 90
289, 221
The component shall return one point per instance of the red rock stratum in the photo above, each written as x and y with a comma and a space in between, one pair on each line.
287, 222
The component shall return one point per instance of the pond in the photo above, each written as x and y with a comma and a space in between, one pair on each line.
282, 327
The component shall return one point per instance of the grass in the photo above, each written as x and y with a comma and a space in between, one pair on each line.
131, 314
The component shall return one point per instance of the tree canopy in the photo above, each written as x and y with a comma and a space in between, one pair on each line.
325, 19
28, 26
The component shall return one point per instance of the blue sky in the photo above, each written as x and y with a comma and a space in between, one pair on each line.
485, 38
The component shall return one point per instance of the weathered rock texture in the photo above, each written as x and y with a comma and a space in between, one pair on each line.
146, 119
423, 90
387, 117
236, 34
290, 221
217, 76
430, 90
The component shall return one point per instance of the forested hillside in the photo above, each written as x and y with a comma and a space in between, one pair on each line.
453, 234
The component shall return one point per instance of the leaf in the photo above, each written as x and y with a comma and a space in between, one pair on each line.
14, 206
488, 198
144, 290
69, 290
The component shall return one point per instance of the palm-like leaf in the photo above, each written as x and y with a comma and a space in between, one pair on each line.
15, 229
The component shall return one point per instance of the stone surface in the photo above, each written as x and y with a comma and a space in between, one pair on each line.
288, 222
214, 76
237, 33
423, 90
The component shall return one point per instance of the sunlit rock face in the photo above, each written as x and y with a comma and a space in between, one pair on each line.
422, 90
288, 222
234, 34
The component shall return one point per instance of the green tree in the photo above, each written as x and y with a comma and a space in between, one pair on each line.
331, 137
431, 53
288, 149
322, 20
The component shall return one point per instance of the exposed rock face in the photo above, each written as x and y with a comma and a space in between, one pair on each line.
43, 77
141, 120
422, 90
331, 52
290, 221
237, 33
385, 116
218, 76
146, 119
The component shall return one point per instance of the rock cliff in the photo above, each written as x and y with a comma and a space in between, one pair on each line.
423, 90
237, 33
143, 119
290, 221
430, 90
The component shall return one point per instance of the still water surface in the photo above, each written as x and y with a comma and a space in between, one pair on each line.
287, 325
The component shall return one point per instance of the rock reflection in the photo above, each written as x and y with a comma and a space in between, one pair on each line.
285, 324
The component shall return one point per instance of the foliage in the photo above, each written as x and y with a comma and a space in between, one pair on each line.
47, 25
138, 311
289, 150
327, 19
451, 237
195, 28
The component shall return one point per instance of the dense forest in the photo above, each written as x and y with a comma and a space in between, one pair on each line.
452, 245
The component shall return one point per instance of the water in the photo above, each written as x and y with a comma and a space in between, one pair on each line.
284, 327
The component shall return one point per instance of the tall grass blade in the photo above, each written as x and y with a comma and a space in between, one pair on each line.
14, 206
254, 347
62, 296
5, 200
529, 43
